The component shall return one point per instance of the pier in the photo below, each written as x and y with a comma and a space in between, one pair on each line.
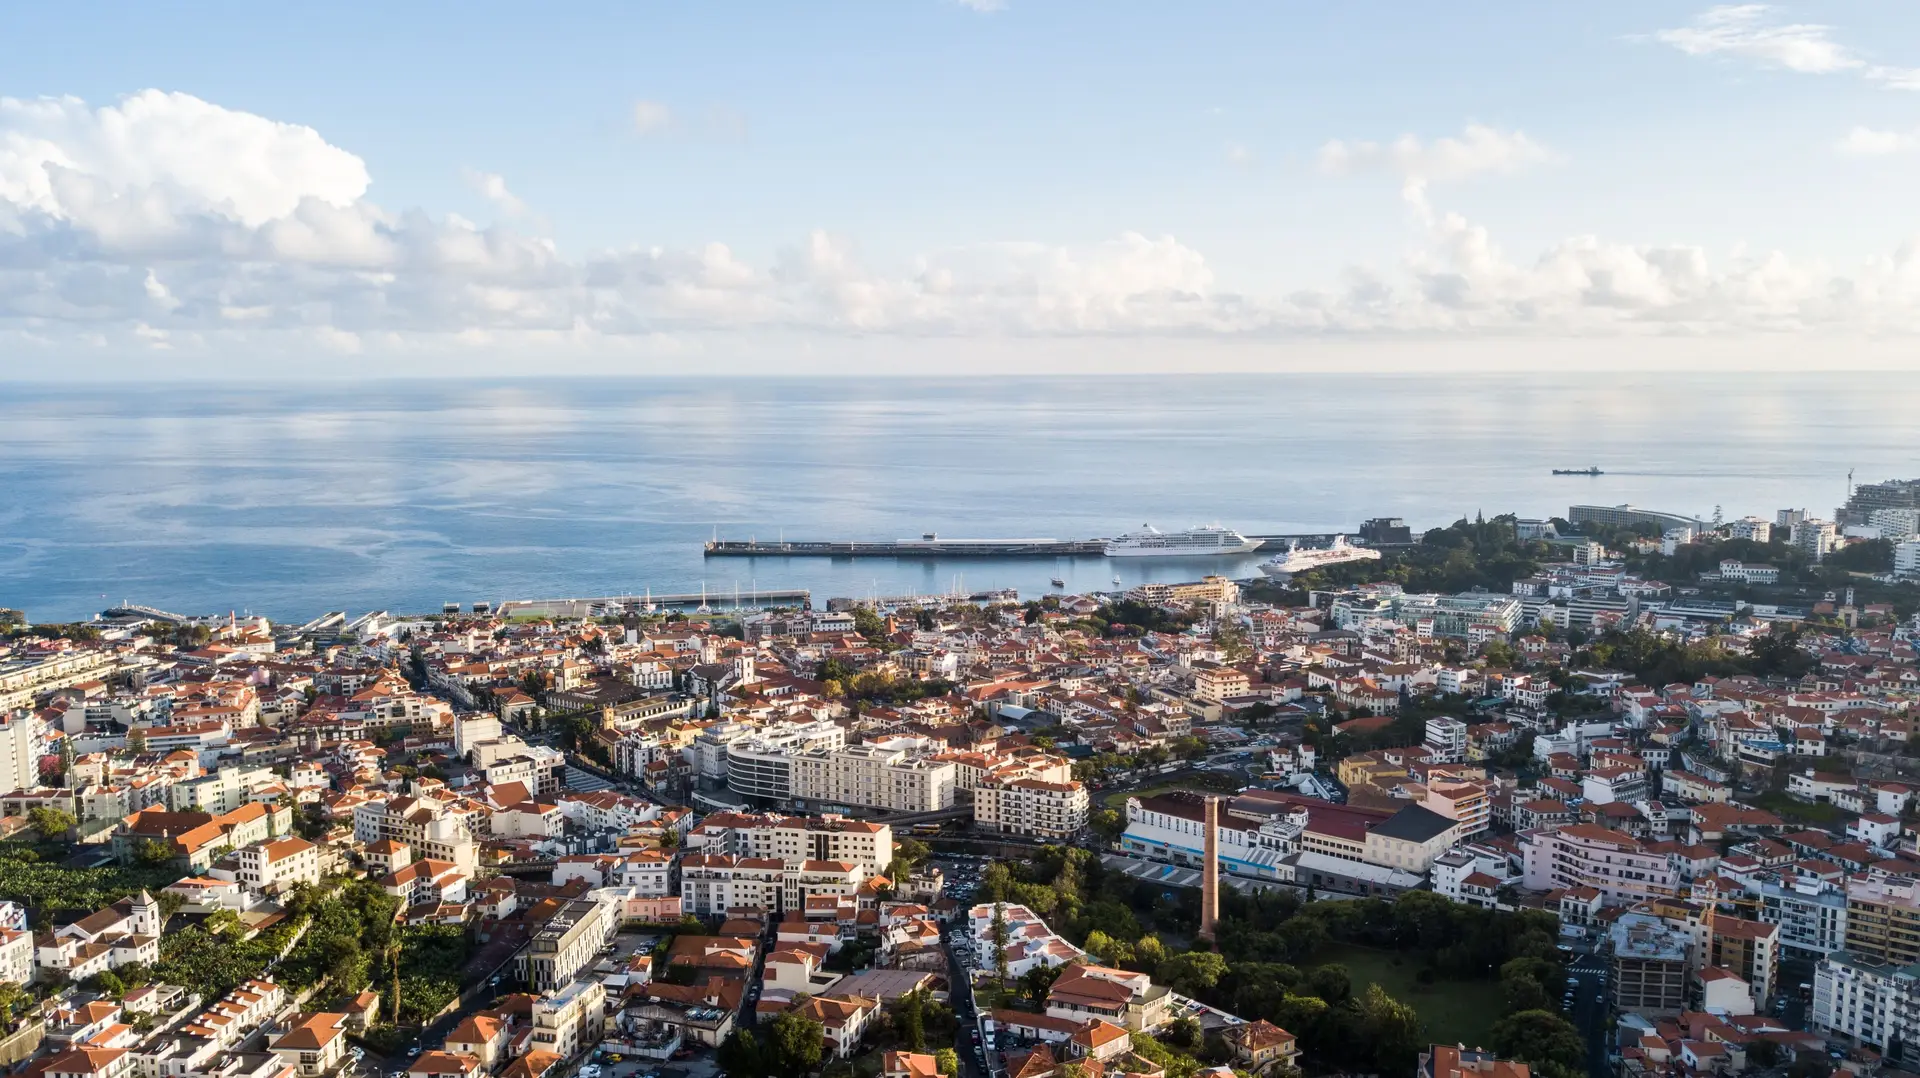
927, 547
932, 546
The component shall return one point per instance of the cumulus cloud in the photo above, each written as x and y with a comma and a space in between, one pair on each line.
1752, 32
984, 7
111, 235
493, 187
650, 117
1869, 142
1480, 149
64, 160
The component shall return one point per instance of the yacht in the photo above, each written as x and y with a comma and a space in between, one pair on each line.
1058, 582
1150, 542
1300, 560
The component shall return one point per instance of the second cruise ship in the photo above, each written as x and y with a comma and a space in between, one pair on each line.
1150, 542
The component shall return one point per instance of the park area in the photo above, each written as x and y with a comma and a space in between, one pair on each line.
1455, 1012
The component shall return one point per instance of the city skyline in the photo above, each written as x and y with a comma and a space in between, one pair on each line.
957, 187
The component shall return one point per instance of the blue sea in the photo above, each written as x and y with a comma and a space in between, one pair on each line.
295, 499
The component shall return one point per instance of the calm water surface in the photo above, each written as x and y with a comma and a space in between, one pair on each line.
295, 499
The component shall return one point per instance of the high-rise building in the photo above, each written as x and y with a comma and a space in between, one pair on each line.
19, 752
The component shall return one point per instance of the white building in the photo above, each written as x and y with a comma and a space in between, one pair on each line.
273, 867
1906, 558
1865, 999
1814, 538
1446, 740
1056, 810
895, 774
1742, 573
795, 838
1754, 528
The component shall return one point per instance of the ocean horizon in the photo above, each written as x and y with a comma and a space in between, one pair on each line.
296, 498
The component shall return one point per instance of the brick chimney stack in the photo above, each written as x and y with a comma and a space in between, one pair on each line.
1210, 872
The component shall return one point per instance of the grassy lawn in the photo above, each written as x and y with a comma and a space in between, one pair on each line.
1118, 798
1815, 812
1456, 1012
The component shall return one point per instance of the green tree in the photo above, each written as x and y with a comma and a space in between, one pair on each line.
1538, 1037
1108, 823
794, 1044
742, 1053
910, 1020
152, 852
1111, 951
1392, 1030
1149, 952
13, 999
53, 824
1192, 973
1185, 1034
946, 1059
1036, 983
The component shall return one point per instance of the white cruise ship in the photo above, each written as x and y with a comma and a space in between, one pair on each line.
1300, 559
1150, 542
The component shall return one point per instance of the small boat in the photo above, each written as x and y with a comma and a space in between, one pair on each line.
1058, 583
1116, 580
1578, 471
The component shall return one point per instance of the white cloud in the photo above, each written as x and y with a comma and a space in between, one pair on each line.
1748, 32
1239, 155
493, 187
984, 7
62, 159
141, 244
1480, 149
1752, 32
1869, 142
650, 117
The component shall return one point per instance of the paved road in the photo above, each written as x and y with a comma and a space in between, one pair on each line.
972, 1059
1591, 1014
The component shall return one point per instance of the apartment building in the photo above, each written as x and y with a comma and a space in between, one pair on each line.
567, 944
713, 883
1750, 949
569, 1021
1866, 999
1053, 810
314, 1046
795, 838
1811, 913
1464, 802
1214, 683
1446, 740
22, 679
757, 762
1649, 965
420, 823
895, 774
1883, 921
1619, 866
21, 741
16, 956
273, 867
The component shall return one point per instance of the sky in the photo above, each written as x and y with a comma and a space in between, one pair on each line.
939, 186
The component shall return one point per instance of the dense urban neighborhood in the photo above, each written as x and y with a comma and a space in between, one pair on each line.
1621, 793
